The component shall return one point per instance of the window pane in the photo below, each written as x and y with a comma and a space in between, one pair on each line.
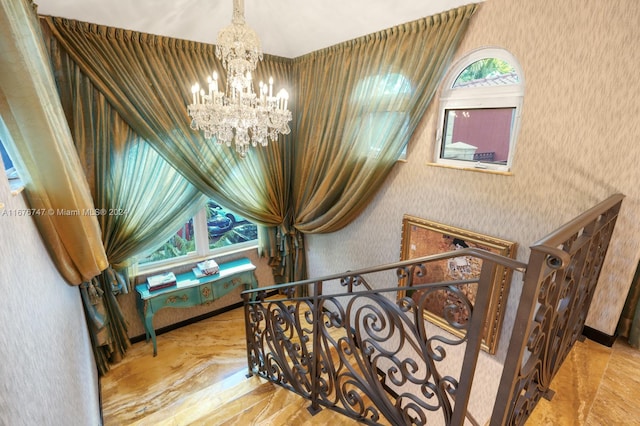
477, 134
487, 72
9, 168
227, 228
480, 111
5, 157
181, 244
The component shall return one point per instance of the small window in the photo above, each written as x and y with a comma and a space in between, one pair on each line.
8, 164
480, 109
15, 183
213, 231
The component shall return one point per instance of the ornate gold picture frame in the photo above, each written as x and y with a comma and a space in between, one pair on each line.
422, 237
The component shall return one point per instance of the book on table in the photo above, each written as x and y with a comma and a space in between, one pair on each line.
208, 267
157, 282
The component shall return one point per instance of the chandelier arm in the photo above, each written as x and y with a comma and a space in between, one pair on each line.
239, 114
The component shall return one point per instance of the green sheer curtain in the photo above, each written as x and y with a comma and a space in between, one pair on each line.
35, 132
346, 137
362, 101
147, 80
144, 199
140, 198
359, 104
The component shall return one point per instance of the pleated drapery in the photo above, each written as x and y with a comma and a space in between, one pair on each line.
34, 130
355, 107
146, 80
140, 198
144, 199
361, 101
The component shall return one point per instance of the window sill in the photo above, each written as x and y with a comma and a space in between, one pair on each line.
472, 169
190, 259
16, 186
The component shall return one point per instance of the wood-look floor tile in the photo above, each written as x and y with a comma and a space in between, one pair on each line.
617, 400
575, 386
189, 360
199, 378
272, 405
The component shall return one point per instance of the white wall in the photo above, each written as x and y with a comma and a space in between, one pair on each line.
47, 371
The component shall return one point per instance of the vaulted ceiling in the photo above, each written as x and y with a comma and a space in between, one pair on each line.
288, 28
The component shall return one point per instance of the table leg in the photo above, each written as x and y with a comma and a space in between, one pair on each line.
142, 311
148, 325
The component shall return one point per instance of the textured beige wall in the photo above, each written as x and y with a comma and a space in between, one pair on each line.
578, 144
47, 372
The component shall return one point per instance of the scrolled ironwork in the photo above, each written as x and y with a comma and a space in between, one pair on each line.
410, 272
377, 357
352, 281
555, 299
376, 361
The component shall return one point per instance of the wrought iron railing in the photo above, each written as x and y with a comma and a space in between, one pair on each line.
367, 353
563, 271
356, 345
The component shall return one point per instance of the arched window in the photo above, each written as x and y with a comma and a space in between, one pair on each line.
480, 110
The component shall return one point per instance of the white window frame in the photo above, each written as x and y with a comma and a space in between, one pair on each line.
13, 176
506, 96
202, 251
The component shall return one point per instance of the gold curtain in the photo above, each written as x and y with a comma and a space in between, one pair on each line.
146, 79
38, 137
347, 134
362, 101
142, 199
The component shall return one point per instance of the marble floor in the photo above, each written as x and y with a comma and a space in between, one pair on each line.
595, 386
198, 378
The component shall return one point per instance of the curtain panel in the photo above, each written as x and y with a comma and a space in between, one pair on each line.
362, 100
41, 145
140, 198
359, 103
143, 198
147, 80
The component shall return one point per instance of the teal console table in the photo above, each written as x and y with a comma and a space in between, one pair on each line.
191, 291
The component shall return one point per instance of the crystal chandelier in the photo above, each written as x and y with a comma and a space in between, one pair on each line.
238, 113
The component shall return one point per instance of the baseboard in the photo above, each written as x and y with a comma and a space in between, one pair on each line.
598, 336
100, 399
175, 326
